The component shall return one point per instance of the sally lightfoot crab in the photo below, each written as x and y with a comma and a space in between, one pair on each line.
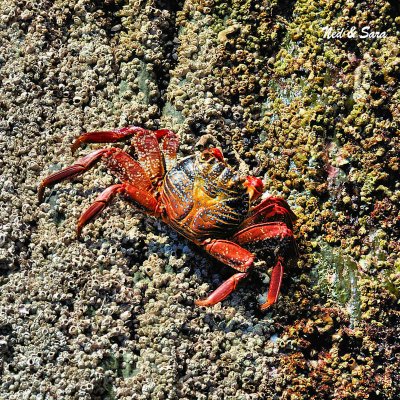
199, 196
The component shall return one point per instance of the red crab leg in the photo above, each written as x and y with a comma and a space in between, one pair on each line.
80, 166
127, 170
149, 154
98, 206
143, 198
236, 257
262, 232
170, 146
275, 284
274, 200
271, 207
106, 136
222, 291
121, 164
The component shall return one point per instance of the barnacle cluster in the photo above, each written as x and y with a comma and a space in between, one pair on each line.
112, 316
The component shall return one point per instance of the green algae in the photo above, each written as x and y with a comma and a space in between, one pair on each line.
389, 285
376, 259
124, 366
170, 110
337, 275
123, 87
143, 78
129, 368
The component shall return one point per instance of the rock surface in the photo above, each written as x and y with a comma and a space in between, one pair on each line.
112, 316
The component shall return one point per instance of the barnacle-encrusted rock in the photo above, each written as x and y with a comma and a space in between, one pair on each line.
112, 316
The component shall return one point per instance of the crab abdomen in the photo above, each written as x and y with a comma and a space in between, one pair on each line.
204, 199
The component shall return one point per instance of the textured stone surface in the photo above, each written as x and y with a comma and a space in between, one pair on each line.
112, 316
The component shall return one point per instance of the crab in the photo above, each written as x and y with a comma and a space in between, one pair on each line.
200, 196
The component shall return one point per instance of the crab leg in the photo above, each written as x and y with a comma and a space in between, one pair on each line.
106, 136
223, 290
79, 167
98, 206
236, 257
149, 154
264, 231
128, 170
170, 145
137, 184
145, 143
271, 207
141, 197
261, 232
275, 284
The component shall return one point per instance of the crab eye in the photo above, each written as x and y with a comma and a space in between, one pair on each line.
217, 153
212, 153
254, 186
257, 183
